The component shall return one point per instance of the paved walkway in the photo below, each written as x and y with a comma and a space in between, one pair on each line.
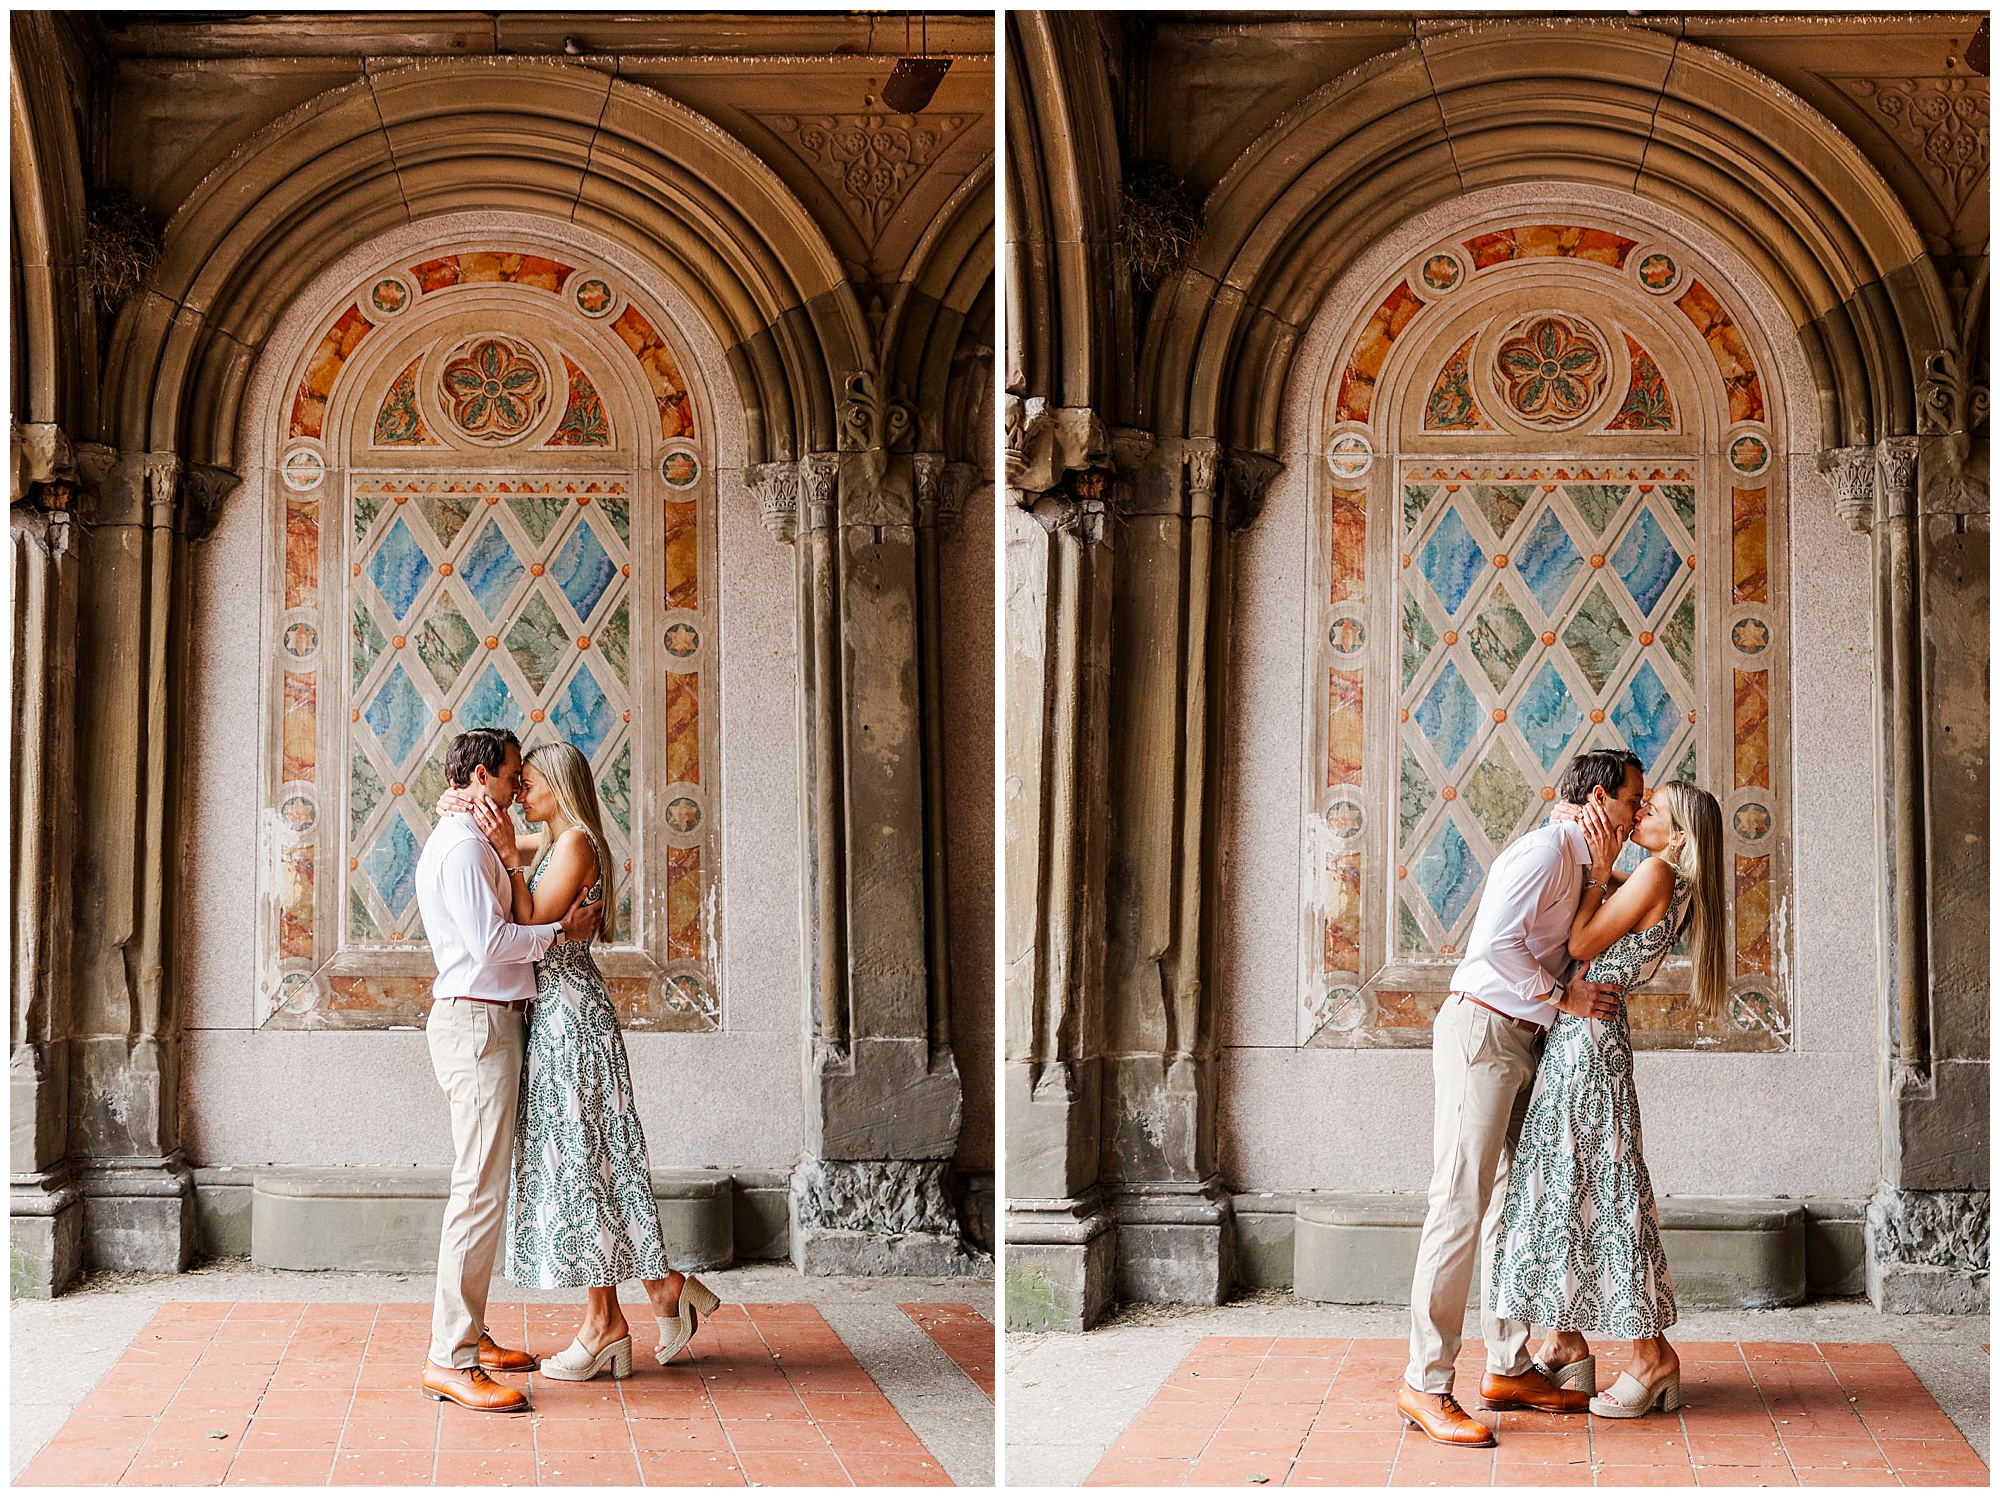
1272, 1387
248, 1376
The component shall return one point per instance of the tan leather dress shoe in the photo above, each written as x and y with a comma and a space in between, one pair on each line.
471, 1388
1531, 1390
496, 1358
1440, 1418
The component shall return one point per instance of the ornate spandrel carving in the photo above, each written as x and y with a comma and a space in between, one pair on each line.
1951, 407
1850, 473
776, 486
870, 162
874, 416
883, 1196
1941, 125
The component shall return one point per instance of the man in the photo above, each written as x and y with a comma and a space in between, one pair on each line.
1484, 1048
486, 977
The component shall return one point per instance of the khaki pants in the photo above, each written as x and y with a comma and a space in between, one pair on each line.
476, 1052
1483, 1067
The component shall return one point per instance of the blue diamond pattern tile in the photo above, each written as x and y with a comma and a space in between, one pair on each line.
1548, 561
1451, 560
491, 569
392, 865
1646, 716
490, 705
1547, 717
584, 715
1449, 715
1646, 561
399, 569
582, 570
399, 716
1448, 874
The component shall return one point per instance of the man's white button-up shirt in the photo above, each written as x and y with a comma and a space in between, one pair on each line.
463, 893
1519, 946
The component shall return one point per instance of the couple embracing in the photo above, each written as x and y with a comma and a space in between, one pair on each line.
546, 1143
1537, 1150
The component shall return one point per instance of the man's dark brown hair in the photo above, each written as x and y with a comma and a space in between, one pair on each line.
1600, 769
477, 748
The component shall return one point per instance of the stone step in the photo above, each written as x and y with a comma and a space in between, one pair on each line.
1723, 1252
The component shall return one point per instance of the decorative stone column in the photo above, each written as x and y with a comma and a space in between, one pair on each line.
1928, 1221
883, 1094
1175, 1239
45, 1207
1062, 469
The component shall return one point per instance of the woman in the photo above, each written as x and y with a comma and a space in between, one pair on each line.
1580, 1234
581, 1212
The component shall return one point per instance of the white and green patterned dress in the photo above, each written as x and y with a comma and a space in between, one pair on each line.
1580, 1233
580, 1213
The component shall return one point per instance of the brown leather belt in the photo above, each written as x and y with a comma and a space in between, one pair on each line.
1510, 1018
518, 1005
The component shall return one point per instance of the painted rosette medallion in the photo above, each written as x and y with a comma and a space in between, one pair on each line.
1552, 369
493, 388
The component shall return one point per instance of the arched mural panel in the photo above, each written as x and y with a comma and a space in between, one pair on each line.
495, 506
1548, 520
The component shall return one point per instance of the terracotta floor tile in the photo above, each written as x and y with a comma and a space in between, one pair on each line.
114, 1435
471, 1468
1543, 1449
502, 1434
1906, 1456
280, 1468
280, 1432
1206, 1417
1734, 1450
1822, 1452
1944, 1479
668, 1436
1263, 1443
1158, 1444
1339, 1474
793, 1468
1291, 1418
1846, 1479
893, 1471
75, 1466
384, 1468
182, 1468
1908, 1423
1351, 1447
124, 1405
552, 1435
371, 1433
1665, 1474
304, 1403
224, 1433
1744, 1476
698, 1469
1633, 1441
1239, 1470
587, 1468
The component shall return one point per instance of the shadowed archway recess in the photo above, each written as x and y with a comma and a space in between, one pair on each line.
859, 403
1167, 438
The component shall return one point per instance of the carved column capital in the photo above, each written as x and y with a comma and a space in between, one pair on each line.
776, 486
1850, 473
927, 468
1896, 474
819, 490
1203, 457
43, 459
1045, 441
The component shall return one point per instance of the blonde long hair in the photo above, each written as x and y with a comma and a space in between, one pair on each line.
568, 774
1695, 814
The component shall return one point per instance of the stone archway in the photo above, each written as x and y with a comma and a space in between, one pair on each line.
848, 426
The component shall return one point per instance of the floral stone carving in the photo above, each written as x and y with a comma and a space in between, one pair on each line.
493, 388
1551, 369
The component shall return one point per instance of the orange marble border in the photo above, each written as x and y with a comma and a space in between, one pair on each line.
1727, 347
1542, 241
1371, 351
323, 370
